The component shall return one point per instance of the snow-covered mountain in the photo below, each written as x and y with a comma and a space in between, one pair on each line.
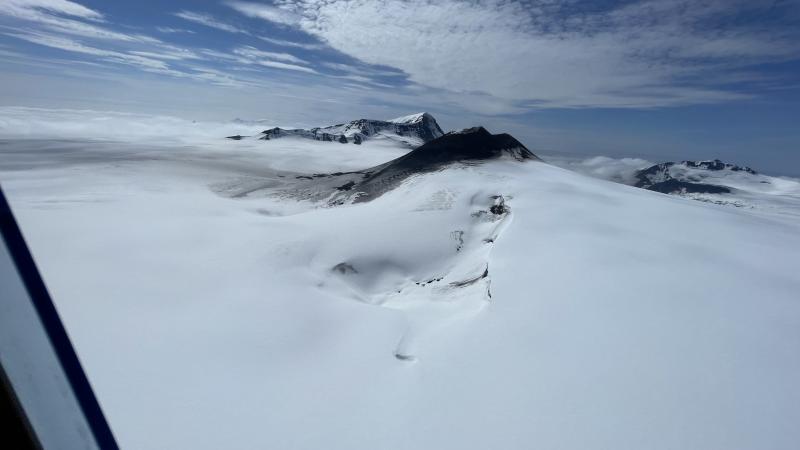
690, 177
722, 183
461, 295
469, 146
413, 130
710, 181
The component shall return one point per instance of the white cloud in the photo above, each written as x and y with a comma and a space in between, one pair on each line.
217, 77
209, 21
285, 43
541, 53
168, 54
253, 53
63, 43
119, 126
280, 65
152, 62
253, 56
620, 170
25, 7
284, 16
171, 30
361, 69
49, 13
219, 55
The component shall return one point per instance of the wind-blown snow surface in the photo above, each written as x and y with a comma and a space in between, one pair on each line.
619, 318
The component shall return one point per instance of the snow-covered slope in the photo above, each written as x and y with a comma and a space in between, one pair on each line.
413, 131
490, 303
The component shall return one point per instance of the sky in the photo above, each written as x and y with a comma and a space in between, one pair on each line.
658, 79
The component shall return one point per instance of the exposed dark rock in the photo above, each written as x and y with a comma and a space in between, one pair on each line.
344, 268
422, 127
471, 280
686, 177
718, 165
458, 235
468, 147
472, 145
499, 208
347, 186
238, 137
673, 186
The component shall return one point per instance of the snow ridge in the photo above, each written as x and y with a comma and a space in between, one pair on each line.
412, 131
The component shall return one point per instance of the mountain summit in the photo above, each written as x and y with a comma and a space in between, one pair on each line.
470, 146
413, 131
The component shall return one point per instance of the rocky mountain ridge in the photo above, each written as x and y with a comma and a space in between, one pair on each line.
688, 177
413, 130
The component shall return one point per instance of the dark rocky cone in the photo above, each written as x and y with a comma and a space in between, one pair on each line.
472, 145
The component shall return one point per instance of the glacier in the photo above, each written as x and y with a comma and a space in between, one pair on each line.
492, 304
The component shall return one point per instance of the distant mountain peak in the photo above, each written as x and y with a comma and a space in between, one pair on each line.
412, 130
715, 165
688, 177
413, 118
472, 130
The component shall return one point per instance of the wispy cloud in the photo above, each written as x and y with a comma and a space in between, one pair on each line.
489, 56
209, 21
63, 43
285, 61
285, 43
284, 14
541, 53
171, 30
361, 69
253, 53
27, 8
155, 61
174, 54
51, 14
284, 66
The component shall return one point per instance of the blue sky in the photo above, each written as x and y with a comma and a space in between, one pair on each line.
661, 79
